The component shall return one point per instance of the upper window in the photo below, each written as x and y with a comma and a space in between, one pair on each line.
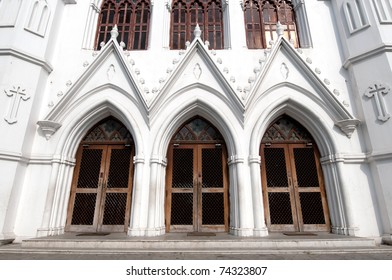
261, 17
186, 14
132, 18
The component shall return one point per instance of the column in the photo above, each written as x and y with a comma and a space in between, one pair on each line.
260, 228
156, 204
137, 225
242, 217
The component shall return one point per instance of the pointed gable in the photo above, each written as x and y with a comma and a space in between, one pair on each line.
197, 69
110, 69
284, 66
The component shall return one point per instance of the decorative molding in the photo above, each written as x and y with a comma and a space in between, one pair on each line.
156, 159
235, 159
139, 159
284, 70
168, 6
17, 94
384, 10
197, 31
348, 126
197, 71
48, 128
356, 15
9, 11
225, 3
254, 159
111, 72
378, 90
380, 155
27, 57
39, 18
367, 54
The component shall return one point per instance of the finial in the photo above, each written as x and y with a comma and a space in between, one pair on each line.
197, 31
279, 29
114, 32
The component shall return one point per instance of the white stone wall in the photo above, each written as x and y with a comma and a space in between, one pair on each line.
153, 92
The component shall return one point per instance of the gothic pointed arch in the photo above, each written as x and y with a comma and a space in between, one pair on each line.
132, 18
100, 196
197, 179
186, 14
261, 18
292, 179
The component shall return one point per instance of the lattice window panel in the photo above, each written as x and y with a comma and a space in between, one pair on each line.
115, 206
120, 161
90, 167
182, 209
312, 208
275, 165
212, 170
305, 167
213, 209
280, 208
182, 168
84, 208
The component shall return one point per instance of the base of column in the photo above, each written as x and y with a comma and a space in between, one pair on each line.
344, 231
242, 232
260, 232
42, 232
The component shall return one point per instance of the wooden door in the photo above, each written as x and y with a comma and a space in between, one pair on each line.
197, 188
101, 189
293, 188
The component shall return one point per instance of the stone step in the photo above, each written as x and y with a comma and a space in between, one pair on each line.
200, 244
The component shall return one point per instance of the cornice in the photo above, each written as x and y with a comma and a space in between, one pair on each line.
27, 57
367, 54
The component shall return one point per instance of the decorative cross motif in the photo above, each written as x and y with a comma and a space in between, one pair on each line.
17, 95
378, 90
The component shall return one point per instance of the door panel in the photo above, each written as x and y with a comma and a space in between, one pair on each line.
116, 200
211, 189
196, 189
293, 190
101, 189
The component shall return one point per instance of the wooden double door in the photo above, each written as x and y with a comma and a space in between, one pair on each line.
197, 188
293, 188
101, 189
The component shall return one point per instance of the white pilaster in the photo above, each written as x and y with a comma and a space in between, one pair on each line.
137, 224
260, 228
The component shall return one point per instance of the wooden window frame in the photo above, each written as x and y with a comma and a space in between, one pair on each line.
132, 18
278, 11
185, 15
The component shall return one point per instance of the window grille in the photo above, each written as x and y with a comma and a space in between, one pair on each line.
261, 17
186, 14
132, 18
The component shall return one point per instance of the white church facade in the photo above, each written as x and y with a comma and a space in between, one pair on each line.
150, 116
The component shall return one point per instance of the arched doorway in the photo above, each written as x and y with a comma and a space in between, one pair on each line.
101, 189
196, 181
292, 180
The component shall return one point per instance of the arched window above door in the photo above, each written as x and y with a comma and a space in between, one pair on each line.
108, 130
132, 18
197, 129
261, 18
186, 14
